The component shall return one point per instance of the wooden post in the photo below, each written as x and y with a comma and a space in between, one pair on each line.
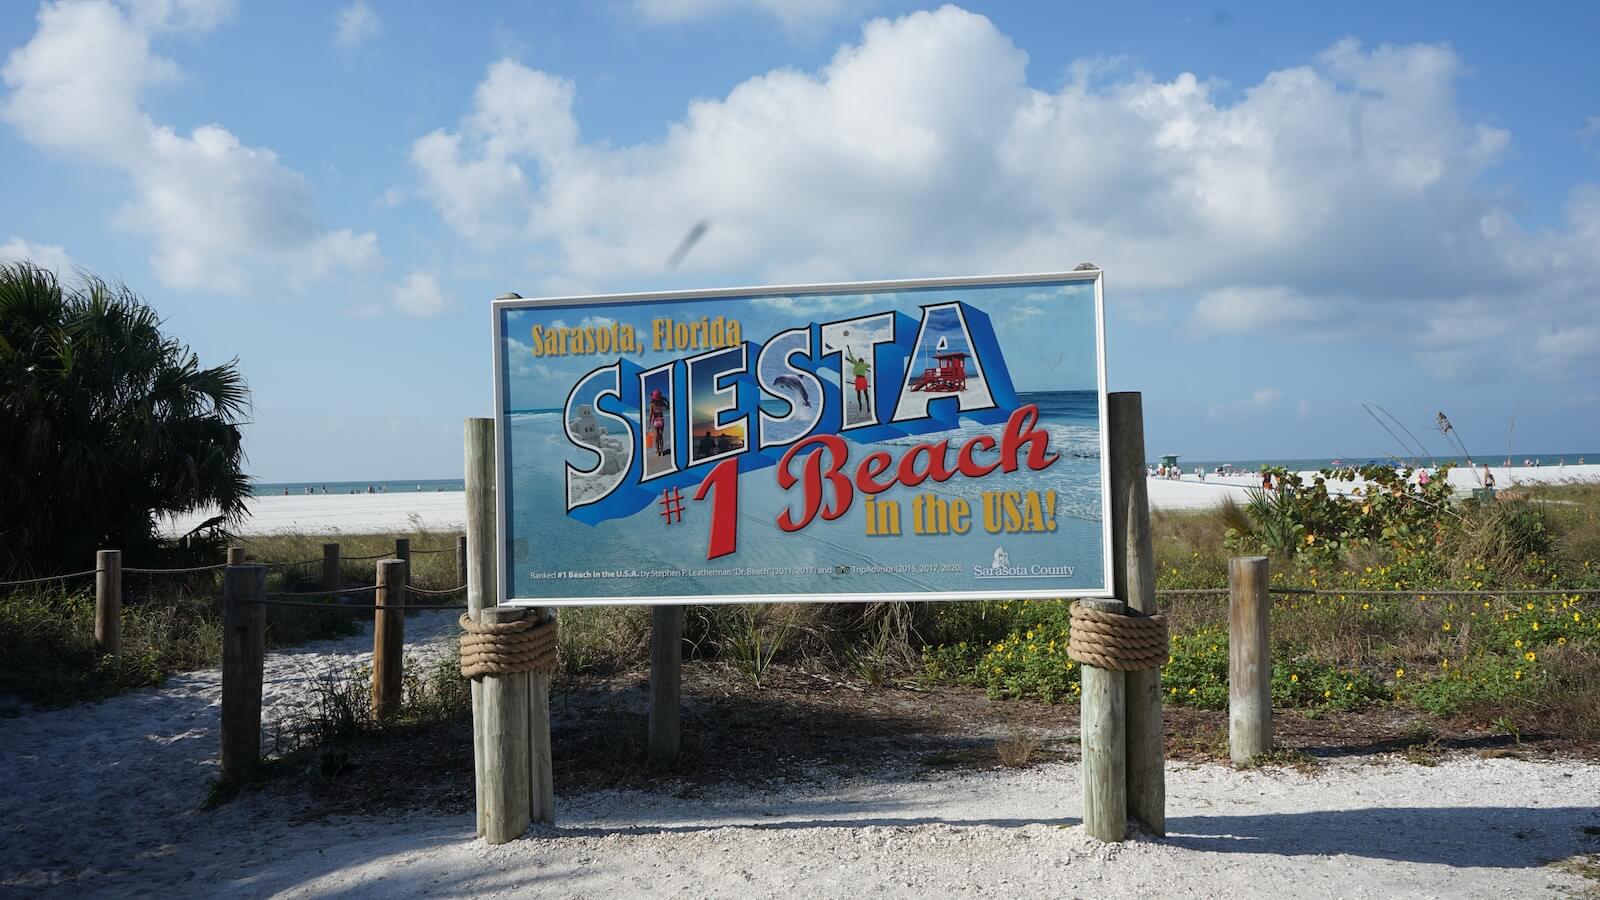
1133, 575
666, 681
541, 780
236, 555
388, 638
402, 552
1249, 659
461, 559
507, 749
481, 593
1102, 731
244, 632
330, 569
108, 602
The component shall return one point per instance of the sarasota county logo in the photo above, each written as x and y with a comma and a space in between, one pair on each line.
1000, 567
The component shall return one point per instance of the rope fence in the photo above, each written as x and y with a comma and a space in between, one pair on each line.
1367, 592
174, 571
50, 578
272, 600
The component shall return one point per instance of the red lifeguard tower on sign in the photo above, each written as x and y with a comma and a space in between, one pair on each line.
947, 376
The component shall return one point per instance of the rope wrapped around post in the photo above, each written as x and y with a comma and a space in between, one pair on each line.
507, 647
1119, 643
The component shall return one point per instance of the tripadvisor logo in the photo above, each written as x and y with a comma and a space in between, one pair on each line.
1000, 567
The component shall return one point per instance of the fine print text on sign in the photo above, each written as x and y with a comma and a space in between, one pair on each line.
937, 439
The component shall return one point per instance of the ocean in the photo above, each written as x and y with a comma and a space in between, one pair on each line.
403, 486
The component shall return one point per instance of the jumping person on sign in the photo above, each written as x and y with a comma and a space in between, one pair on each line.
860, 367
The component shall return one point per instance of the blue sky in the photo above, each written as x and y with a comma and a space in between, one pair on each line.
1296, 211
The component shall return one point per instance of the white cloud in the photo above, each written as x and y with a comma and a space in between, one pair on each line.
48, 256
217, 212
1325, 193
420, 294
795, 15
355, 24
1260, 401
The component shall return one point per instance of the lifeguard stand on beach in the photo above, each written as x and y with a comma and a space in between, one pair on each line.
947, 376
1170, 460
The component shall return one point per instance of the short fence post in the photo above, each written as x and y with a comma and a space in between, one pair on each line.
236, 555
108, 602
1249, 659
388, 638
666, 681
507, 746
1102, 734
244, 630
1134, 579
402, 552
331, 565
461, 559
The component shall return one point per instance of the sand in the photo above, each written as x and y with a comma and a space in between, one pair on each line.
446, 511
104, 799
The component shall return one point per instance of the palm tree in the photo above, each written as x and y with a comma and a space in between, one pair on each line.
105, 424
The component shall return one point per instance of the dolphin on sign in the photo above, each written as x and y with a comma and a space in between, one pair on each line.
793, 384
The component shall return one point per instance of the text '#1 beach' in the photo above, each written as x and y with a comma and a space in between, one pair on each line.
911, 440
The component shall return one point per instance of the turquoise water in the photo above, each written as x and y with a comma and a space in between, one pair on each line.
1313, 464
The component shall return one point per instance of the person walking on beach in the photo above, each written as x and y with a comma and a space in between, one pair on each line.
859, 367
1422, 477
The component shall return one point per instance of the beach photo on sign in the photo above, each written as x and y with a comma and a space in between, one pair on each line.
925, 439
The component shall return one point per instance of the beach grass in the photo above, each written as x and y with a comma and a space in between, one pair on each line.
173, 623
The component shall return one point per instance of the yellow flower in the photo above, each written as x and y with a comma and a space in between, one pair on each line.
1294, 679
1327, 694
1349, 685
1445, 627
1517, 675
1399, 673
1517, 643
1561, 642
1444, 663
1366, 606
1529, 656
1530, 607
1536, 626
1174, 692
1192, 692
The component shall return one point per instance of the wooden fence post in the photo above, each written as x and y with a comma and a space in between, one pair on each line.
461, 559
507, 748
108, 602
236, 555
388, 638
331, 569
1249, 659
1134, 580
244, 630
402, 552
481, 593
666, 681
1102, 732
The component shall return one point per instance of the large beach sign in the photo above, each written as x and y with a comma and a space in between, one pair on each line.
921, 440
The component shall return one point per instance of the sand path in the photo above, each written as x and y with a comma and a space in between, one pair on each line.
104, 799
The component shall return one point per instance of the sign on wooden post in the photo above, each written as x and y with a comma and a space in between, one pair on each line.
912, 440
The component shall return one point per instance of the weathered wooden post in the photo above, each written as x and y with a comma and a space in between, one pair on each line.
1249, 659
402, 552
244, 630
461, 559
666, 681
108, 602
507, 805
481, 593
236, 555
331, 565
388, 638
1102, 733
1134, 582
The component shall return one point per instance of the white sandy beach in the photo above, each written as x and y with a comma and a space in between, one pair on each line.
446, 511
104, 800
